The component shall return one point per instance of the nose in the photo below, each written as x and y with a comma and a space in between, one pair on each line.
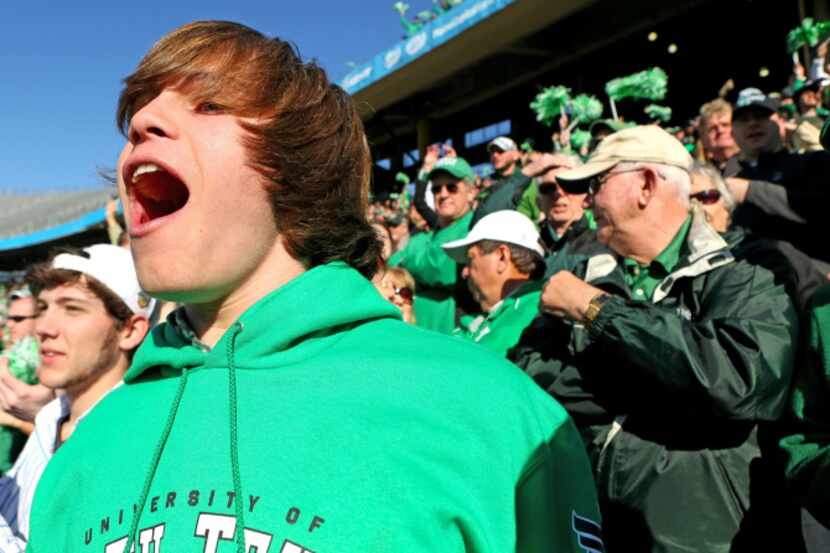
45, 326
155, 118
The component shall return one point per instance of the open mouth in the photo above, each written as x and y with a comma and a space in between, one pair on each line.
154, 193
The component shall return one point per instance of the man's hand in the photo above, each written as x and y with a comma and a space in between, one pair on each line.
738, 188
430, 157
567, 296
541, 165
20, 399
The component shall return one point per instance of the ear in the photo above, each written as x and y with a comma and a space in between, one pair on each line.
133, 332
648, 187
503, 258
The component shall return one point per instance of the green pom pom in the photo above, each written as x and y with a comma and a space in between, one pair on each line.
658, 113
809, 33
549, 104
580, 138
402, 178
651, 84
586, 109
527, 145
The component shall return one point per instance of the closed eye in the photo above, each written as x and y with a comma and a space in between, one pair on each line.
210, 108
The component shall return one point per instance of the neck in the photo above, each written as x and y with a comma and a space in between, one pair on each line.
211, 320
508, 287
507, 171
562, 228
654, 234
723, 154
84, 396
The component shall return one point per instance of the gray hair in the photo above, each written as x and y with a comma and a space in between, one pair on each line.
708, 171
677, 177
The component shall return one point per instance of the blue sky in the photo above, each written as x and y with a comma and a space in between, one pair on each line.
61, 65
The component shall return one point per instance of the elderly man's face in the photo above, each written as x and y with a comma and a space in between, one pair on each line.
706, 192
560, 207
615, 204
452, 196
717, 131
756, 131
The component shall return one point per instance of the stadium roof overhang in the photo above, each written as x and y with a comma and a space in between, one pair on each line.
508, 25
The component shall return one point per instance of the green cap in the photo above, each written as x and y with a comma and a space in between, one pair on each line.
455, 166
825, 135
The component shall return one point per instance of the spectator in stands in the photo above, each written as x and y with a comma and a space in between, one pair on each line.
283, 340
709, 189
668, 354
398, 287
504, 157
780, 195
567, 225
438, 279
92, 316
805, 137
716, 132
503, 261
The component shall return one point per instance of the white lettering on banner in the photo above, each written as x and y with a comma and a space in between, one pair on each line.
352, 80
148, 536
416, 43
214, 528
460, 19
392, 57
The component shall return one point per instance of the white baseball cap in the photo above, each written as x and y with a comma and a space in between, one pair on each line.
502, 226
113, 266
503, 143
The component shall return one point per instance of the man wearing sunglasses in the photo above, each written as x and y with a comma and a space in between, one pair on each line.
669, 353
436, 275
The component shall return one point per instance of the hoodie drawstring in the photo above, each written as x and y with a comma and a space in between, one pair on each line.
148, 481
237, 480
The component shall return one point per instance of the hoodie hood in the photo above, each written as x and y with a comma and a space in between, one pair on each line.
285, 326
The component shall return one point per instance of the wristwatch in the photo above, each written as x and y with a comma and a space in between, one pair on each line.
595, 306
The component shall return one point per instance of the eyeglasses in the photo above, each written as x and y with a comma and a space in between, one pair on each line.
595, 182
706, 197
452, 187
19, 318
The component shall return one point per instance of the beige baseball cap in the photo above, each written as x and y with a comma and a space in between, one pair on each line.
646, 143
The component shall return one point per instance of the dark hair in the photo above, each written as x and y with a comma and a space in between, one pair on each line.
308, 143
526, 260
44, 277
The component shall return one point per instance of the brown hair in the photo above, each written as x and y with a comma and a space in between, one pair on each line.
308, 141
526, 261
44, 277
715, 107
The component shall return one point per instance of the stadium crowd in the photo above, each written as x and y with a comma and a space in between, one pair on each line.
619, 345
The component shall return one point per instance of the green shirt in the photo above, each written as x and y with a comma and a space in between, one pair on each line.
500, 329
642, 280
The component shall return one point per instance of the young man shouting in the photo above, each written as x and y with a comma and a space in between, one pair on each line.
273, 412
91, 315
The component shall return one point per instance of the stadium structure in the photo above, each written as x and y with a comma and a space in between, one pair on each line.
470, 75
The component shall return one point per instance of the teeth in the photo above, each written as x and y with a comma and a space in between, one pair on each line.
143, 169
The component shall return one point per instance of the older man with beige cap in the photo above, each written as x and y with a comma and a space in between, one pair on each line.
669, 353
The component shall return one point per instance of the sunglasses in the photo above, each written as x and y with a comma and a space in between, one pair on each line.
706, 197
404, 292
547, 189
19, 318
451, 187
594, 183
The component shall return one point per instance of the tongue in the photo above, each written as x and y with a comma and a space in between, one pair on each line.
160, 194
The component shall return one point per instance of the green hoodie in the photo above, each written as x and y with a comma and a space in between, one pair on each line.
319, 425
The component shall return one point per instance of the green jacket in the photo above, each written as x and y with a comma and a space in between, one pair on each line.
319, 425
435, 273
668, 394
807, 447
499, 330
